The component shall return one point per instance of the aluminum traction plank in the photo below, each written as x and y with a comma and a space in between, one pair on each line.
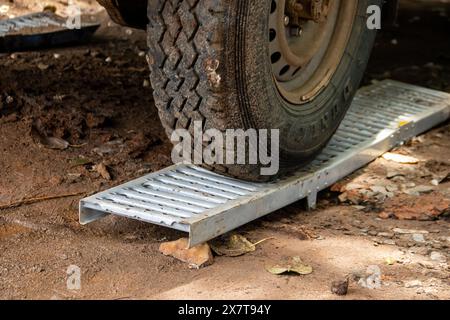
207, 205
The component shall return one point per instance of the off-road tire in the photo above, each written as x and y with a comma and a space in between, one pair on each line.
209, 62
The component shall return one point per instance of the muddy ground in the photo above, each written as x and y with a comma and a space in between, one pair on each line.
97, 98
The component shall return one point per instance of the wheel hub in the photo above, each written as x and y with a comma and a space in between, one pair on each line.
301, 34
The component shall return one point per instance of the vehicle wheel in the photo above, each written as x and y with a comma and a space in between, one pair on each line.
263, 64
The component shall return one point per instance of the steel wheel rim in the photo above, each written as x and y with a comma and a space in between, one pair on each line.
302, 66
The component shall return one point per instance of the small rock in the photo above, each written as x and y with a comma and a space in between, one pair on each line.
438, 257
378, 189
393, 174
418, 190
197, 257
418, 237
94, 54
9, 100
409, 231
390, 261
413, 284
391, 188
108, 60
43, 66
435, 182
340, 287
385, 235
343, 197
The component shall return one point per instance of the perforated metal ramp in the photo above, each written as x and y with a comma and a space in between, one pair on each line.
40, 30
207, 205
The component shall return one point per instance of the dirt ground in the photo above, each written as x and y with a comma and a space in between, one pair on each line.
97, 97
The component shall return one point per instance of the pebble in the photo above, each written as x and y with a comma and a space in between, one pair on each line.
438, 257
393, 174
413, 284
391, 188
418, 237
418, 190
9, 99
385, 235
409, 231
340, 287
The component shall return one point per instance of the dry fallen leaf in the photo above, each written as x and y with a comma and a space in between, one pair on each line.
41, 138
233, 246
399, 158
340, 287
103, 171
197, 257
294, 265
80, 162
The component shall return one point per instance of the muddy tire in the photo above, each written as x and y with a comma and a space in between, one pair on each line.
213, 61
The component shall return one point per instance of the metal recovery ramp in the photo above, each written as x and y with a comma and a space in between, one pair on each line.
207, 205
41, 30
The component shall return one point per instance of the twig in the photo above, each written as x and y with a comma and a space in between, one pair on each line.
261, 241
77, 146
38, 199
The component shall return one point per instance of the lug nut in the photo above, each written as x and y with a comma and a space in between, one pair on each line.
296, 32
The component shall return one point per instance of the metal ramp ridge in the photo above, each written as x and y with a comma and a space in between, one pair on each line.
207, 205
